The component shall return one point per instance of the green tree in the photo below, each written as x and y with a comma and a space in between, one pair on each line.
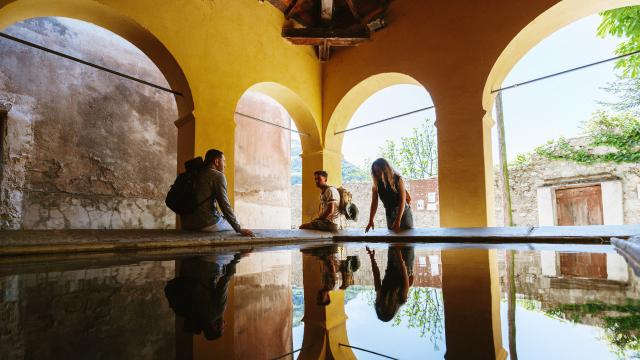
612, 138
416, 156
624, 22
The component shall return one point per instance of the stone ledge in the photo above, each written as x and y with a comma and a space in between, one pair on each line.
30, 242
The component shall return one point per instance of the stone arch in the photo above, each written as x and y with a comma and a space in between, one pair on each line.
562, 14
297, 109
13, 11
260, 178
352, 100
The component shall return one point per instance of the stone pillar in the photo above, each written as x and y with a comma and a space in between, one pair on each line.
465, 173
327, 160
186, 139
471, 294
325, 327
186, 144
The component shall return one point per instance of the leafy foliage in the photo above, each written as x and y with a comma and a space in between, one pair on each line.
618, 136
624, 22
424, 310
416, 156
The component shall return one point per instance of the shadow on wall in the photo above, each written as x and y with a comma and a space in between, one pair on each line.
84, 149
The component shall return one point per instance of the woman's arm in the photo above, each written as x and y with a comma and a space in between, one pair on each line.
403, 201
406, 282
374, 207
374, 268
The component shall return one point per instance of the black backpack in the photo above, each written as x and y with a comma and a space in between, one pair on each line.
181, 198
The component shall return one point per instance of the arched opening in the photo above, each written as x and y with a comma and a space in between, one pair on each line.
271, 120
84, 148
569, 190
557, 173
406, 137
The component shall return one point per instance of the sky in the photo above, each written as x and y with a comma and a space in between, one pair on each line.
534, 113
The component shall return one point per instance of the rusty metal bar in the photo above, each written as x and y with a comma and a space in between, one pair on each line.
565, 72
95, 66
387, 119
272, 124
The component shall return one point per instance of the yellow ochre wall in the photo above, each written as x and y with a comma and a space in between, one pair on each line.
213, 51
459, 51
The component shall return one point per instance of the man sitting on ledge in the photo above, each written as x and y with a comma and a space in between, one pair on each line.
329, 218
211, 189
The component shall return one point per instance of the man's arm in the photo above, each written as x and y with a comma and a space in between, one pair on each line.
330, 209
223, 202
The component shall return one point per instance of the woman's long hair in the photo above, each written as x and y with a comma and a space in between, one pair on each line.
387, 173
388, 298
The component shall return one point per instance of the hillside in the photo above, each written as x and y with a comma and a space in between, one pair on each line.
350, 171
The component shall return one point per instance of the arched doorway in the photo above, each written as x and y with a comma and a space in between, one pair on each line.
268, 118
84, 148
388, 115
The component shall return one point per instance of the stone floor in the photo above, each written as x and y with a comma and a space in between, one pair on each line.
30, 242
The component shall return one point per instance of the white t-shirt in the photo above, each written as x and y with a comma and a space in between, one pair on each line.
328, 196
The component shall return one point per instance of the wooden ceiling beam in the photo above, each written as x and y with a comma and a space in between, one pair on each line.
326, 11
354, 10
288, 12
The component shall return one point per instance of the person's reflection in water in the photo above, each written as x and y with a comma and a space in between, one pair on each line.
393, 290
329, 274
347, 268
199, 293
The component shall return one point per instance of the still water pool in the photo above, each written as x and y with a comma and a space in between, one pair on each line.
344, 301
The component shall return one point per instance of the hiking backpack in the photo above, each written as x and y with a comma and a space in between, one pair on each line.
346, 207
181, 198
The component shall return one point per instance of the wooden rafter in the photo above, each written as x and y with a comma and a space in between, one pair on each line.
354, 10
288, 12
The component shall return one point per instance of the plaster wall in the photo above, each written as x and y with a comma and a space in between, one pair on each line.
263, 164
84, 149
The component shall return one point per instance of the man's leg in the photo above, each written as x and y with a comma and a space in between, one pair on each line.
222, 225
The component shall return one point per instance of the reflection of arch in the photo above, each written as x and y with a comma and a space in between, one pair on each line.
560, 15
354, 98
13, 11
297, 109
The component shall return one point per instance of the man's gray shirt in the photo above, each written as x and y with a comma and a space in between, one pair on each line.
211, 190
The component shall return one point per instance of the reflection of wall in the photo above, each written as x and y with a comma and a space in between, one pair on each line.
263, 306
117, 312
539, 276
262, 160
86, 149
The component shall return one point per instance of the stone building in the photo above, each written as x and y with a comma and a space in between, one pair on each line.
543, 191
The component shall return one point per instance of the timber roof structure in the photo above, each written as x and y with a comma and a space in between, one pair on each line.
329, 23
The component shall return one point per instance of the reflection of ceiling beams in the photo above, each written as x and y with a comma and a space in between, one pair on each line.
329, 23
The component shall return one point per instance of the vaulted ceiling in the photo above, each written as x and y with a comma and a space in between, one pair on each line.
330, 23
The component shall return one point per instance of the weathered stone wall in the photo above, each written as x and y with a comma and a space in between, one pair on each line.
114, 312
262, 164
84, 148
419, 189
525, 181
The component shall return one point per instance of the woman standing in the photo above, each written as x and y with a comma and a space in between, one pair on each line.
389, 186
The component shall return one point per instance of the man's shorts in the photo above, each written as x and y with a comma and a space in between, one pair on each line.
324, 225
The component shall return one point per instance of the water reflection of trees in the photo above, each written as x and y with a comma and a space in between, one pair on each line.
621, 323
424, 311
